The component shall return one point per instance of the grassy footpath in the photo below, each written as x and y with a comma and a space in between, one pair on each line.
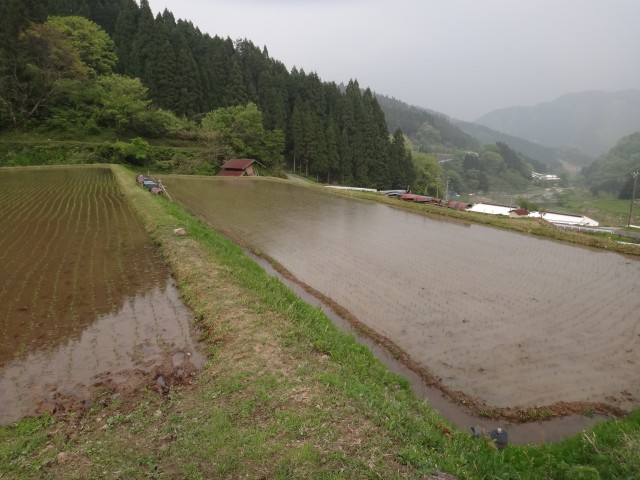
284, 395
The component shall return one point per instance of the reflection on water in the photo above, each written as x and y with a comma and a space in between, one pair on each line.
149, 330
510, 319
82, 288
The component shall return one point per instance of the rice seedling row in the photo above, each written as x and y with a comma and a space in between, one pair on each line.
84, 295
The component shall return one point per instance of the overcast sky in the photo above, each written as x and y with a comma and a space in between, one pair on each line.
459, 57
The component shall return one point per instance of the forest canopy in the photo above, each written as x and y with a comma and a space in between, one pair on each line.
90, 66
612, 173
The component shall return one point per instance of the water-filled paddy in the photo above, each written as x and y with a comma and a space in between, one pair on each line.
85, 301
509, 319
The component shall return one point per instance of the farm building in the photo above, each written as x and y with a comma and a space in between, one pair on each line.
551, 217
566, 219
239, 167
490, 209
519, 212
545, 177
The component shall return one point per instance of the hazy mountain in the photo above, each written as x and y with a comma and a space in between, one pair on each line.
447, 134
551, 157
588, 122
430, 131
436, 132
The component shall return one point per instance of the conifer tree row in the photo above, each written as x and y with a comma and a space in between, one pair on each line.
334, 136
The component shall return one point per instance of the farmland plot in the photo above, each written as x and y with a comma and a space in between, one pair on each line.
506, 318
84, 299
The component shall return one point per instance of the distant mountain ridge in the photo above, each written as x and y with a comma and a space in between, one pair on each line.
452, 134
444, 135
551, 157
589, 122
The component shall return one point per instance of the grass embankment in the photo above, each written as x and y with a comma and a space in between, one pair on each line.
284, 395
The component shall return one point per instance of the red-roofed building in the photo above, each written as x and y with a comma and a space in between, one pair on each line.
239, 167
519, 212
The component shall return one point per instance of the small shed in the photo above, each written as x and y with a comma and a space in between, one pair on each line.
462, 206
519, 212
239, 167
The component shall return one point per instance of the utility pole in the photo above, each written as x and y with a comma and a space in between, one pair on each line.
633, 194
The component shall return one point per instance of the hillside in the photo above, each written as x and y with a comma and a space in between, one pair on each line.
430, 131
483, 164
587, 122
155, 76
550, 157
611, 172
495, 168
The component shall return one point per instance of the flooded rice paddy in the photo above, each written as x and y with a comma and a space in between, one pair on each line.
509, 319
85, 301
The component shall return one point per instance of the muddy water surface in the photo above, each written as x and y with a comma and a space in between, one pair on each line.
512, 320
85, 301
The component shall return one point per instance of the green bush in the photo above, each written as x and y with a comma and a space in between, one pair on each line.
137, 152
580, 472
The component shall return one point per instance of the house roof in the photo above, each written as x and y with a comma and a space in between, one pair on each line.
237, 164
490, 209
566, 218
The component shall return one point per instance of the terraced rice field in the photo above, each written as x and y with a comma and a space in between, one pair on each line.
509, 319
85, 301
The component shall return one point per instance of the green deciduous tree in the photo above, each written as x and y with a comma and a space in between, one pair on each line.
240, 130
121, 99
94, 45
44, 59
428, 173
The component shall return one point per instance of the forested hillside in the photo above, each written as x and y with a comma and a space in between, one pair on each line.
111, 68
167, 75
429, 131
544, 158
611, 173
495, 168
480, 163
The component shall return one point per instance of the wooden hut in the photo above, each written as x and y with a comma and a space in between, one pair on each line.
239, 167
